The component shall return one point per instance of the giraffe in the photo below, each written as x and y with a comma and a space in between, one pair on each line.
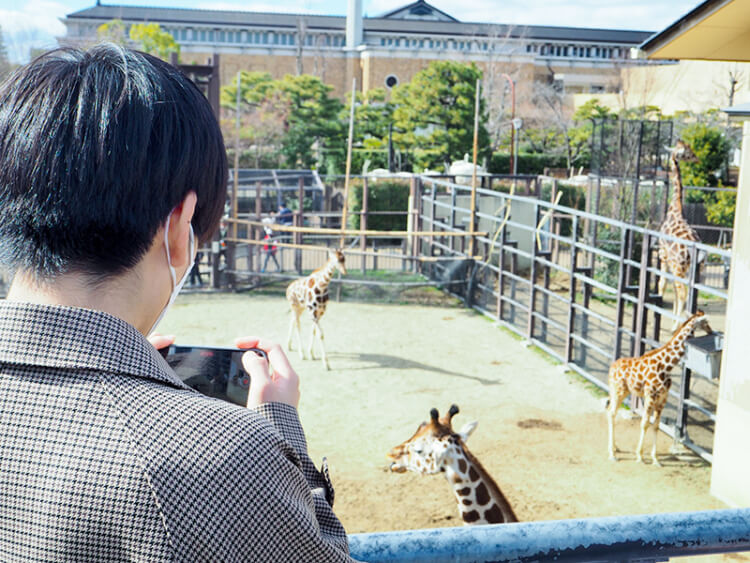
435, 448
311, 293
647, 376
673, 255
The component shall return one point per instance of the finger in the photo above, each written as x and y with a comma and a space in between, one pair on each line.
276, 354
160, 341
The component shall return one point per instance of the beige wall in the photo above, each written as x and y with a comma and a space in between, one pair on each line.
689, 85
731, 464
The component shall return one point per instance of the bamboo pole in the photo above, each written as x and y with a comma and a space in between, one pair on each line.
472, 221
351, 251
348, 165
355, 232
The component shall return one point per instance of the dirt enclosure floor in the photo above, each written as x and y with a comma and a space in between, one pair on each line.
542, 433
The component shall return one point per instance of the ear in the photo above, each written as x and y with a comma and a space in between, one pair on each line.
178, 236
467, 429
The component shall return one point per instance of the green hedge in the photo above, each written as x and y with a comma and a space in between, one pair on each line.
528, 163
383, 195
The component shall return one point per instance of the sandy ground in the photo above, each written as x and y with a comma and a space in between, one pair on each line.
542, 434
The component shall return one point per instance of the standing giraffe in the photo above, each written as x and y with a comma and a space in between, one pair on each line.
647, 376
311, 293
673, 255
435, 448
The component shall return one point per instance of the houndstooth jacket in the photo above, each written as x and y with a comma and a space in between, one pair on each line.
105, 455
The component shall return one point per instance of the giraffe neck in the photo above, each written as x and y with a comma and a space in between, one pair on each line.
324, 275
480, 500
671, 352
675, 206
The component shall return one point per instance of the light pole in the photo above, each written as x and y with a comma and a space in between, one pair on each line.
512, 122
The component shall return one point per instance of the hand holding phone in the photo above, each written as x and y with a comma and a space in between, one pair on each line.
216, 372
280, 385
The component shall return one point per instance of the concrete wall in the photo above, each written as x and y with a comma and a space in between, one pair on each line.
731, 465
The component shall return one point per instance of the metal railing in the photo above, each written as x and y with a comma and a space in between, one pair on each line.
642, 538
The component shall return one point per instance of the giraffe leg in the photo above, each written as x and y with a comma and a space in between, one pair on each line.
615, 398
662, 285
680, 298
657, 418
322, 347
292, 322
645, 423
312, 338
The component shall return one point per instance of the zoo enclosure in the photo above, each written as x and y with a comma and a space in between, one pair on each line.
580, 286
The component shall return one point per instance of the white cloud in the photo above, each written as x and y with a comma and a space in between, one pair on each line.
35, 23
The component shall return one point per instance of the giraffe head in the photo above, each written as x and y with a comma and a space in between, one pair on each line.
428, 450
337, 257
683, 152
700, 321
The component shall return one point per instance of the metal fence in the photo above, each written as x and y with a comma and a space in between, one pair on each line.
582, 288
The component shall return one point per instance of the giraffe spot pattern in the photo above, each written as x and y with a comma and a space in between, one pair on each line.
482, 496
471, 516
494, 515
467, 501
473, 475
464, 492
462, 465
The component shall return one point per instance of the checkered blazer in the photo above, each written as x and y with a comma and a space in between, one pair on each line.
105, 455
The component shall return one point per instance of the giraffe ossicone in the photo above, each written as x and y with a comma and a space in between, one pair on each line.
436, 448
647, 376
311, 293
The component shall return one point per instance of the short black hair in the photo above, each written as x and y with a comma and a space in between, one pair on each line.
97, 147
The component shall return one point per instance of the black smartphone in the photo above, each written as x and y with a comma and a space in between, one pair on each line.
216, 372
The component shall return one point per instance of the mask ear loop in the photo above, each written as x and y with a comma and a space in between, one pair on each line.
176, 286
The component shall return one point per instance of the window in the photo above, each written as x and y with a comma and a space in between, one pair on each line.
391, 80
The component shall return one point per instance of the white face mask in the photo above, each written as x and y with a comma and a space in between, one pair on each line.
176, 286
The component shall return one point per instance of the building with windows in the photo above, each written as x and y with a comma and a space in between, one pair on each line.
378, 51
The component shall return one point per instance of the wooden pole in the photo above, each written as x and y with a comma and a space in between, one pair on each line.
363, 223
348, 165
236, 183
472, 221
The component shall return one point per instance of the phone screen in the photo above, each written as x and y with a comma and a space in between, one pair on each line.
215, 372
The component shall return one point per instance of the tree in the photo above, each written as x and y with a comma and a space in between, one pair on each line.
114, 31
435, 113
311, 118
294, 114
711, 148
373, 115
150, 38
147, 37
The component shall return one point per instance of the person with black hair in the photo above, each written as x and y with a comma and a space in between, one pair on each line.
112, 170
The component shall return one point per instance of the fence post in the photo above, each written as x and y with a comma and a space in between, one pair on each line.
411, 222
643, 295
500, 268
299, 222
681, 419
555, 224
363, 223
418, 224
621, 285
453, 218
572, 292
532, 276
433, 205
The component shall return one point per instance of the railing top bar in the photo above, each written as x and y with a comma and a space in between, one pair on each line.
614, 538
580, 215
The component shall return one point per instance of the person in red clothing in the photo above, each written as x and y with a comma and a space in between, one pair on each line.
269, 249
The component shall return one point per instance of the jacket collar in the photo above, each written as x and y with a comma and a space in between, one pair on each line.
75, 338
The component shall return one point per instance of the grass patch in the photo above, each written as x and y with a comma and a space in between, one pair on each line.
595, 390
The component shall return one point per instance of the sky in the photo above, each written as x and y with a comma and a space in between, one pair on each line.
36, 23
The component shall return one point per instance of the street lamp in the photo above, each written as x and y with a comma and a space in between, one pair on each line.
512, 122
